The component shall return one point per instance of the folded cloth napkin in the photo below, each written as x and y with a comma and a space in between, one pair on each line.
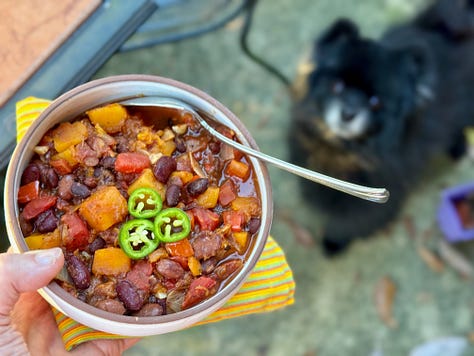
269, 287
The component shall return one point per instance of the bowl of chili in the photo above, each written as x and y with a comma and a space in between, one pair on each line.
165, 222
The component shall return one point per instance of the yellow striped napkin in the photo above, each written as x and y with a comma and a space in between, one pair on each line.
269, 287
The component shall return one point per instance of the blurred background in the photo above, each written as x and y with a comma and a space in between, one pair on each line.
335, 310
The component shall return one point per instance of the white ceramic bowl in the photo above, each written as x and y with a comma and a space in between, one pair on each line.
113, 89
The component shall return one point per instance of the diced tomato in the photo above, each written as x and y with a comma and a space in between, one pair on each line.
238, 169
227, 192
37, 206
131, 162
76, 234
180, 248
235, 219
199, 289
207, 219
28, 192
61, 166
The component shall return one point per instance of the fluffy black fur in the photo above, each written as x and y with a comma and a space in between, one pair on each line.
375, 112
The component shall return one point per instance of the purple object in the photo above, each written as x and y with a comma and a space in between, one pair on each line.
448, 218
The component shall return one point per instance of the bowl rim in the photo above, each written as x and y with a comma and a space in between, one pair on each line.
71, 305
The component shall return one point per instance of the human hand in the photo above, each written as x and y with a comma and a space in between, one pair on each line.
27, 324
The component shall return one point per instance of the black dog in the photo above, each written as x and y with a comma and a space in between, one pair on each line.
376, 112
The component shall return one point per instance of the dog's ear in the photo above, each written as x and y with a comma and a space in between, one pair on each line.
340, 32
418, 63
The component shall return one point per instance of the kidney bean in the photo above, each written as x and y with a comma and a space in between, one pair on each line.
173, 193
80, 190
97, 244
46, 222
169, 269
180, 145
129, 296
164, 167
150, 309
78, 271
197, 186
111, 305
253, 225
225, 269
49, 177
30, 174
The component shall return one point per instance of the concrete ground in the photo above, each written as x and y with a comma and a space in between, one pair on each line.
335, 310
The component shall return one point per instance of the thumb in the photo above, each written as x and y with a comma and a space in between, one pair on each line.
26, 272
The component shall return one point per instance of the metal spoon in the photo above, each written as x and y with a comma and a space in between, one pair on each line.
378, 195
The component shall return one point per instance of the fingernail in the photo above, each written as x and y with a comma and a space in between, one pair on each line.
47, 257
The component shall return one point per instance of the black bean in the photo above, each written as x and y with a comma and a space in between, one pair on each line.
253, 225
49, 178
47, 221
80, 190
173, 193
97, 244
78, 271
30, 174
180, 145
197, 186
122, 144
108, 162
164, 167
129, 296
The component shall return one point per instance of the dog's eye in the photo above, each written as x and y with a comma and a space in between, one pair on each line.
337, 87
375, 103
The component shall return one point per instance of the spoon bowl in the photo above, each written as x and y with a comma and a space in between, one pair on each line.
377, 195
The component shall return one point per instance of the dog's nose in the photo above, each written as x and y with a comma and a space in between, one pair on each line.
348, 114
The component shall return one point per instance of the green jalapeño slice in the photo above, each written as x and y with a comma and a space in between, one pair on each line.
137, 238
172, 225
144, 203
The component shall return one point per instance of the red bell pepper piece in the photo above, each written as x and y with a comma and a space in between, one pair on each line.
28, 192
235, 219
61, 166
131, 162
199, 289
37, 206
206, 219
227, 192
77, 234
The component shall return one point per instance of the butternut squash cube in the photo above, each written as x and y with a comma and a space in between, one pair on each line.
43, 241
67, 135
147, 180
110, 261
110, 117
104, 208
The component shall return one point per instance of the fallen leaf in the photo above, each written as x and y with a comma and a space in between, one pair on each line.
431, 259
385, 291
410, 226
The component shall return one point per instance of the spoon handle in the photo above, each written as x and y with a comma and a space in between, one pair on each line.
378, 195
